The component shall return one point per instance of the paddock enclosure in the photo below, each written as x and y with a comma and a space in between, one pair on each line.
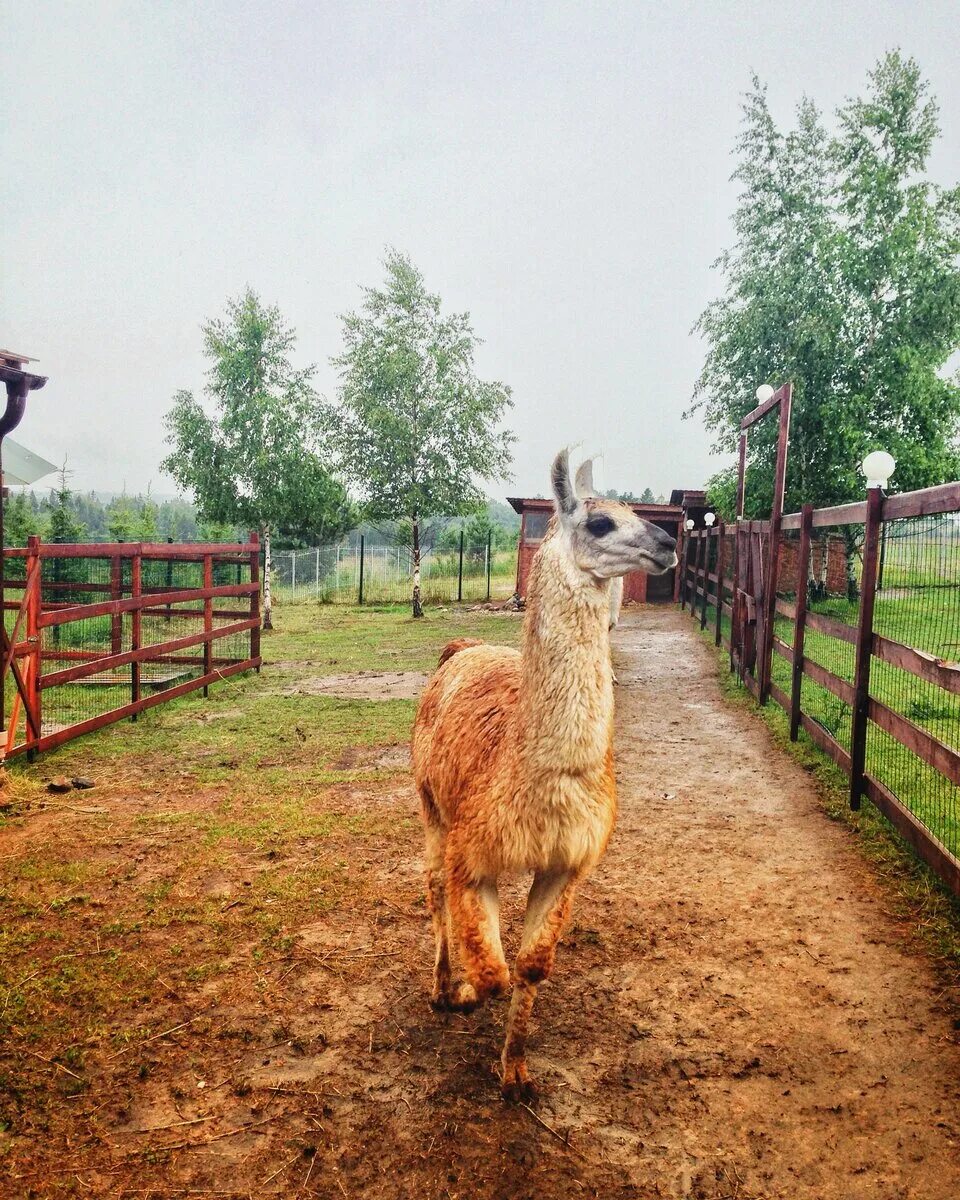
97, 632
853, 627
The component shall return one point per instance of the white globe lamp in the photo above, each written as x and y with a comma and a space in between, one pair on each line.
688, 523
709, 518
878, 466
764, 393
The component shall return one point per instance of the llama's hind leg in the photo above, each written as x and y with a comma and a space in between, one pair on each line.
548, 907
437, 900
475, 920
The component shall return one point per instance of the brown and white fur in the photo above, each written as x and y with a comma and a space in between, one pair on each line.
513, 761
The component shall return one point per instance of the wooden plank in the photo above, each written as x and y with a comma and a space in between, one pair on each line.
786, 609
779, 696
825, 741
771, 580
156, 551
782, 393
109, 608
841, 514
937, 754
916, 662
832, 627
827, 679
791, 521
117, 714
718, 578
93, 664
923, 503
864, 643
783, 649
927, 847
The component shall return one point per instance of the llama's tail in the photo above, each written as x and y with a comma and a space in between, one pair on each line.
454, 647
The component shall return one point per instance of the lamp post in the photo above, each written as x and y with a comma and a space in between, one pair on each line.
877, 467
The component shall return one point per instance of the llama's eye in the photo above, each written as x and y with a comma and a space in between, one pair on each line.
600, 524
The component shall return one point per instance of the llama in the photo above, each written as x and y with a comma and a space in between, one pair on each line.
513, 762
585, 491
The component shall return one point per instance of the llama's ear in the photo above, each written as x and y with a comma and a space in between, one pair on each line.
563, 490
583, 483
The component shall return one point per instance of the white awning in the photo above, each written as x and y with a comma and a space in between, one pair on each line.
21, 466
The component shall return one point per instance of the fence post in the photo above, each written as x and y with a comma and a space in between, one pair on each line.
684, 568
360, 593
708, 534
207, 620
696, 571
31, 677
861, 678
721, 531
254, 540
460, 572
776, 517
800, 619
116, 593
317, 570
293, 576
136, 591
489, 556
169, 577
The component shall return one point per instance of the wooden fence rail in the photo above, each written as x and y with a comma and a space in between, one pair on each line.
78, 664
747, 597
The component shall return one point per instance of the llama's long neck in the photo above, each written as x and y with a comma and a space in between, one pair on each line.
567, 695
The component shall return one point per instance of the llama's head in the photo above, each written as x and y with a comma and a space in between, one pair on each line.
605, 538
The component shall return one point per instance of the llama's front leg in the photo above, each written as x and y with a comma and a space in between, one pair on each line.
548, 907
475, 918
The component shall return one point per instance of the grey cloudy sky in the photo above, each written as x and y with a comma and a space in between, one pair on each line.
560, 170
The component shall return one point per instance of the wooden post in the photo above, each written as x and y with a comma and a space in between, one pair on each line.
861, 678
736, 625
684, 568
776, 519
34, 662
489, 560
116, 593
701, 542
360, 592
136, 617
800, 619
707, 535
460, 572
255, 595
207, 620
721, 533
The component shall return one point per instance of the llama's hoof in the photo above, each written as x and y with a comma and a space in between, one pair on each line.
461, 998
516, 1086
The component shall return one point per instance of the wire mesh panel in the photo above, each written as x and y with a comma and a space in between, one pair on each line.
349, 573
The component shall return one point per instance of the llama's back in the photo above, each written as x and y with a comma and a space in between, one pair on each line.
466, 725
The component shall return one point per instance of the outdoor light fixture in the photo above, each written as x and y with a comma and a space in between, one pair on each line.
709, 518
764, 393
878, 466
688, 523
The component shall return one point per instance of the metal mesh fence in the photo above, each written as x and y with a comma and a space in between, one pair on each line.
332, 574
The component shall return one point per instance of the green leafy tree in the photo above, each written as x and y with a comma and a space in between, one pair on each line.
416, 430
64, 526
21, 520
122, 520
843, 278
254, 462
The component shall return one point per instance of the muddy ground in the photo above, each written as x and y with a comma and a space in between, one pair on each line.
733, 1015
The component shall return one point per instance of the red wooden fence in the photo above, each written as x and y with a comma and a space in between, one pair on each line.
105, 631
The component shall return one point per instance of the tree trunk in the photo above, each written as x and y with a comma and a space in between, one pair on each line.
417, 606
267, 594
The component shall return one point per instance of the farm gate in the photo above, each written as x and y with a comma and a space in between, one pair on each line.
849, 619
93, 633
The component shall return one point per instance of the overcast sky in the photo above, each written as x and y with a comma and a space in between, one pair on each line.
559, 170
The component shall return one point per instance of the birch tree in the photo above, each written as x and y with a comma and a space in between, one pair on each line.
416, 431
253, 462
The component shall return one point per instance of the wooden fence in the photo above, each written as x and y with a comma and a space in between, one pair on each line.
872, 675
93, 633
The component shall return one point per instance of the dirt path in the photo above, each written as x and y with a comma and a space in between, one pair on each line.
733, 1014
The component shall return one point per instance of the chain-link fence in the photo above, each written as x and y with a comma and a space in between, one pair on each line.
357, 573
